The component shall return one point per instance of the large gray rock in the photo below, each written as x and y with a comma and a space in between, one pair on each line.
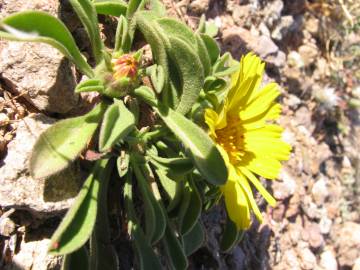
40, 71
19, 190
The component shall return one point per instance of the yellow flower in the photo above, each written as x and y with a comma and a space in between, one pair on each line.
250, 144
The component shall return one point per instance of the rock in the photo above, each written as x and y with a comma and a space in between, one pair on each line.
293, 101
19, 190
39, 70
307, 258
199, 6
294, 59
11, 6
312, 25
239, 41
356, 264
53, 88
283, 28
319, 191
325, 225
273, 12
291, 260
347, 239
33, 255
309, 53
315, 238
328, 260
286, 187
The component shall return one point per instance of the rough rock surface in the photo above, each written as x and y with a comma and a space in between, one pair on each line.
33, 256
239, 40
10, 6
41, 72
19, 190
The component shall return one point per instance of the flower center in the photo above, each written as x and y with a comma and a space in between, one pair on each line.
231, 139
125, 66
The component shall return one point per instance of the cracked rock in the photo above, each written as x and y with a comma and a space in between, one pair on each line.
38, 70
19, 190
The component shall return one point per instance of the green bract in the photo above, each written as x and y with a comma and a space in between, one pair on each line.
174, 165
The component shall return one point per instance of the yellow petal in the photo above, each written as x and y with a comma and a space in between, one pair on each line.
261, 102
263, 166
267, 196
249, 195
237, 205
211, 118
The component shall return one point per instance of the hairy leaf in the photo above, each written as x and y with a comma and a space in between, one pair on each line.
118, 122
194, 239
110, 7
192, 212
87, 14
89, 86
212, 47
191, 73
63, 142
78, 223
155, 219
146, 255
205, 154
174, 249
154, 36
38, 26
102, 253
122, 37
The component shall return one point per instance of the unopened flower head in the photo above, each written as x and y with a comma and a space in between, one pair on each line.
250, 144
125, 66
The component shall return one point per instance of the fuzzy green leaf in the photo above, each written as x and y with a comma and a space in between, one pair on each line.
194, 239
174, 249
38, 26
102, 252
133, 6
110, 7
157, 77
87, 14
193, 210
90, 86
147, 257
203, 54
79, 260
205, 154
212, 47
157, 40
154, 215
78, 223
190, 70
231, 236
177, 29
167, 183
214, 84
146, 94
158, 7
122, 37
178, 166
63, 142
118, 122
